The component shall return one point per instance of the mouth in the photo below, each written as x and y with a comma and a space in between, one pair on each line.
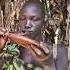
26, 32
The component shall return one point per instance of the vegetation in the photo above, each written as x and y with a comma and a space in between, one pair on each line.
9, 13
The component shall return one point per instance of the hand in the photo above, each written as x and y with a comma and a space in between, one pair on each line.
2, 42
44, 47
3, 37
40, 53
3, 31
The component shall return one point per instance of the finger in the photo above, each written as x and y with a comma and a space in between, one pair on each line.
2, 29
1, 33
44, 47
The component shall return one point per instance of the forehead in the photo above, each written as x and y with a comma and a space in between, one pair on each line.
58, 15
31, 10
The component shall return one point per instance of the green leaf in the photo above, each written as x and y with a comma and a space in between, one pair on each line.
16, 66
13, 49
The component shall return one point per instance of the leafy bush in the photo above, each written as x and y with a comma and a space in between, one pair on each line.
13, 62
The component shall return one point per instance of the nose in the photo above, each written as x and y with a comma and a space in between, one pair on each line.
28, 24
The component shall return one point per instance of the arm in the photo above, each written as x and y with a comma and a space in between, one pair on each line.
39, 52
34, 46
2, 42
21, 40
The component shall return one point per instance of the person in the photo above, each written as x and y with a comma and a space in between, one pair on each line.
61, 59
31, 21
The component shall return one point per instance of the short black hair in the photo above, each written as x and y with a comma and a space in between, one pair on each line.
36, 3
56, 11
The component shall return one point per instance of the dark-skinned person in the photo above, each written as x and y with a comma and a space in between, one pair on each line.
36, 51
60, 48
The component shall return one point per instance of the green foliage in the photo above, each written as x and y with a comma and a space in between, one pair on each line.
13, 50
16, 63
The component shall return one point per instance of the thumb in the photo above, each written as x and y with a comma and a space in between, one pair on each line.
44, 47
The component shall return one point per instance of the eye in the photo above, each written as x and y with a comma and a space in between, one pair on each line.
22, 19
34, 18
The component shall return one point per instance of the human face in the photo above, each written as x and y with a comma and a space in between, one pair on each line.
56, 18
31, 21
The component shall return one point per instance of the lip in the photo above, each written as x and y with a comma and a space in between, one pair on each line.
26, 32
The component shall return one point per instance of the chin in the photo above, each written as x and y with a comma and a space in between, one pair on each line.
31, 35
